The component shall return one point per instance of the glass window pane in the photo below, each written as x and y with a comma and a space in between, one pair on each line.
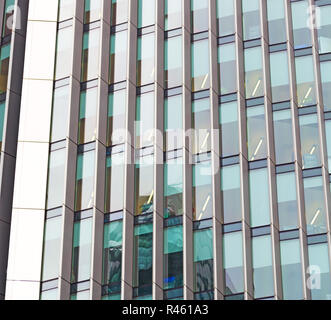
324, 29
173, 188
2, 120
280, 88
56, 175
145, 120
319, 271
50, 295
276, 21
326, 84
92, 10
201, 123
115, 170
203, 260
173, 123
145, 62
90, 59
251, 19
287, 201
310, 143
259, 197
173, 258
231, 196
301, 24
119, 11
8, 13
116, 117
199, 15
82, 250
84, 181
64, 53
144, 186
262, 267
256, 133
227, 68
328, 142
200, 65
253, 73
4, 67
314, 205
88, 116
52, 248
225, 17
304, 69
173, 14
66, 9
233, 263
146, 13
291, 269
229, 129
173, 62
283, 136
118, 56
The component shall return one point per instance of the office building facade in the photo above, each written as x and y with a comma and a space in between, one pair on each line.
175, 149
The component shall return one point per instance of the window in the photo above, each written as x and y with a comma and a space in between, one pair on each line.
291, 269
324, 29
283, 136
118, 56
173, 62
144, 185
225, 17
256, 133
173, 188
253, 73
82, 250
280, 88
2, 120
199, 15
202, 191
90, 59
326, 84
310, 142
251, 19
85, 181
200, 65
173, 257
145, 63
328, 142
66, 9
276, 21
119, 12
259, 197
112, 258
4, 67
229, 129
227, 68
146, 13
314, 205
203, 261
233, 263
8, 13
92, 10
262, 267
173, 14
301, 24
230, 187
87, 128
287, 201
305, 76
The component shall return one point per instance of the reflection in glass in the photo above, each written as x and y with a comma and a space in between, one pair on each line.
64, 52
305, 77
225, 17
283, 136
287, 201
146, 13
253, 73
326, 84
262, 267
145, 61
82, 250
8, 14
173, 14
202, 191
324, 29
173, 62
173, 188
200, 65
310, 142
2, 119
227, 68
173, 258
256, 133
314, 205
251, 19
119, 12
92, 10
233, 263
229, 129
203, 260
291, 269
230, 187
259, 197
199, 15
328, 142
276, 21
4, 67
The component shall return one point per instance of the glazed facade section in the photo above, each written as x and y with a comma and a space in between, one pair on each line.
185, 151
